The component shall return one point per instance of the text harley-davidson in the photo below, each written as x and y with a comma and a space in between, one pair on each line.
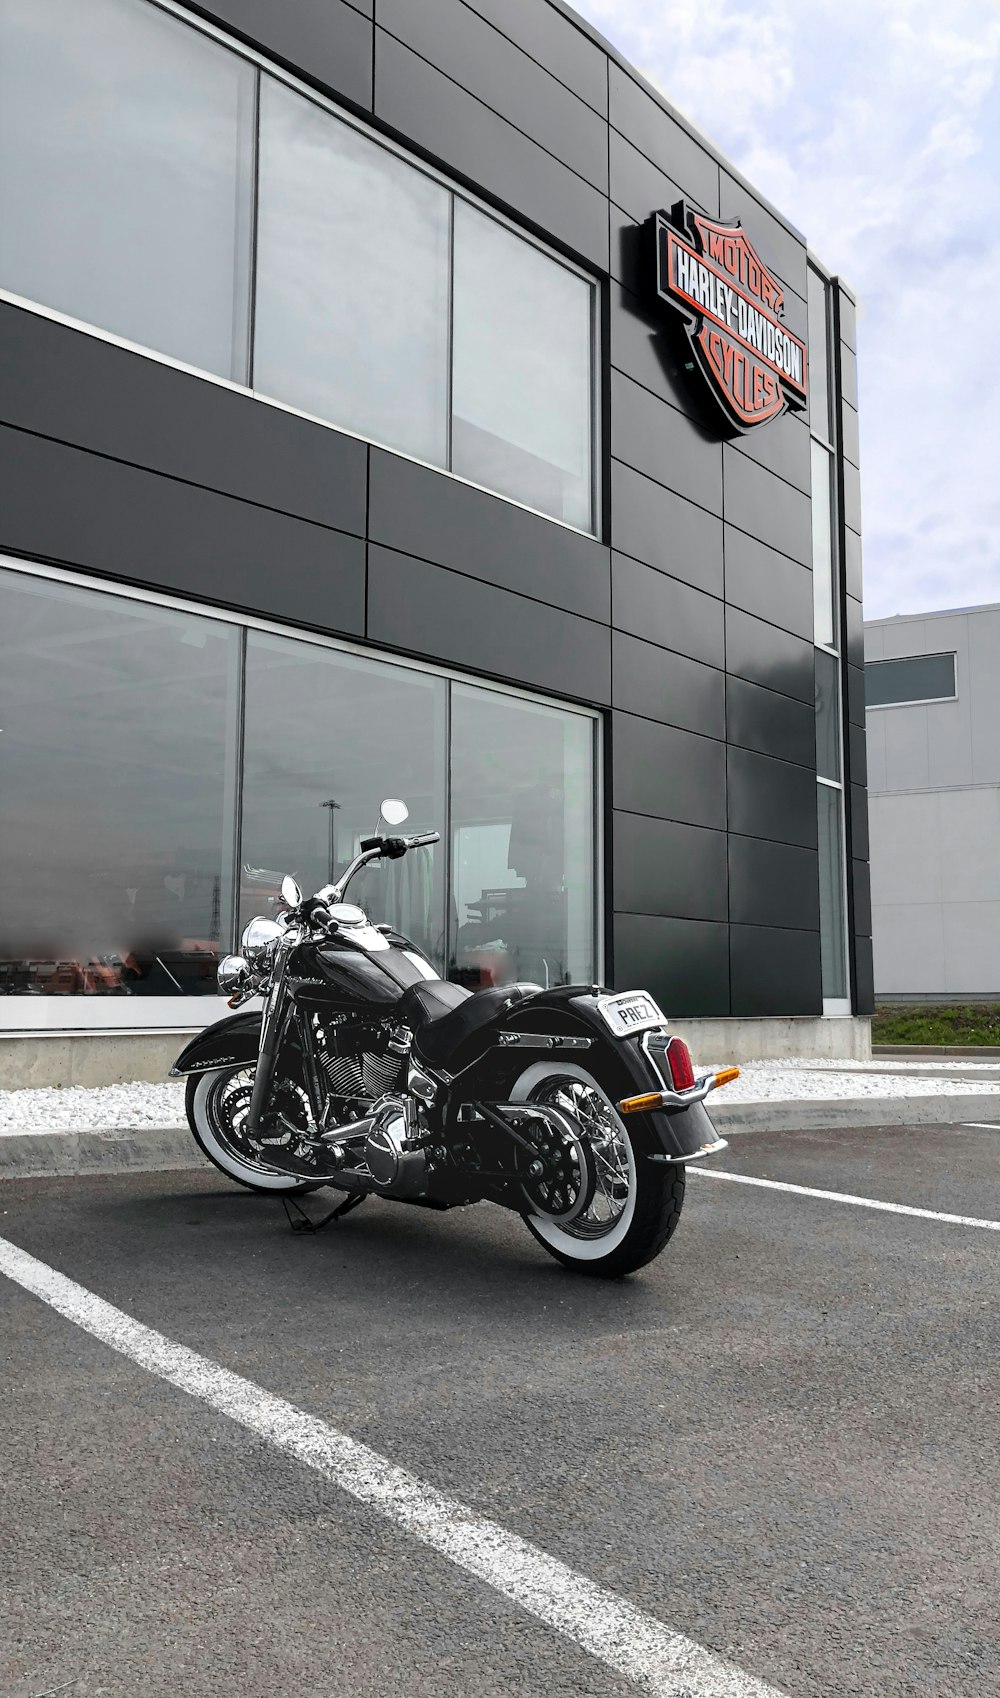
367, 1072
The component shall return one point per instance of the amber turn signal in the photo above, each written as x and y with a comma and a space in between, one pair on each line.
635, 1105
726, 1077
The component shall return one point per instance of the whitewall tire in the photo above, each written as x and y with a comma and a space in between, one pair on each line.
637, 1203
209, 1102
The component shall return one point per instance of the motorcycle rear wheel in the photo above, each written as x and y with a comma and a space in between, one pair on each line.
215, 1103
637, 1203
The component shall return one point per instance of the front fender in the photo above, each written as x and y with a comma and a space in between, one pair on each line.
231, 1042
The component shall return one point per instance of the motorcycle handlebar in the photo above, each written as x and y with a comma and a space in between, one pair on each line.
395, 846
372, 848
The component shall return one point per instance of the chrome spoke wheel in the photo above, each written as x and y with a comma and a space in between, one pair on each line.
229, 1105
635, 1203
218, 1111
609, 1145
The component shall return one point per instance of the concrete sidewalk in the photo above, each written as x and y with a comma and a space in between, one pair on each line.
30, 1155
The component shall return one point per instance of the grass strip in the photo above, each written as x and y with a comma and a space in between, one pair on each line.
976, 1023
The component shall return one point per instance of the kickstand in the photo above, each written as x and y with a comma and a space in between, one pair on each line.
305, 1224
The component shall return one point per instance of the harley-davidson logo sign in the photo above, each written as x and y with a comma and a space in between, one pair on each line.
733, 310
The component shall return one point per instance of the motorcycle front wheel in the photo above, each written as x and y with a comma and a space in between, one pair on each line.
636, 1203
217, 1105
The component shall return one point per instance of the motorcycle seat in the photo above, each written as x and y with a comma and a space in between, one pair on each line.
442, 1016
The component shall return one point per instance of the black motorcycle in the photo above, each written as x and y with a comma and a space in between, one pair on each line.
367, 1072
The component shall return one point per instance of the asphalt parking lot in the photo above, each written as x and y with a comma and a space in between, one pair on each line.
780, 1440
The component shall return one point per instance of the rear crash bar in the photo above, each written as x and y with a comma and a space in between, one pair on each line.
674, 1102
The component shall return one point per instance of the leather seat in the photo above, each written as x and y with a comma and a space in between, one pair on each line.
442, 1016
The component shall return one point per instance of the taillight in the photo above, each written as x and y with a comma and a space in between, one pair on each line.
680, 1064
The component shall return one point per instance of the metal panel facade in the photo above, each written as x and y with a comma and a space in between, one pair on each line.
697, 627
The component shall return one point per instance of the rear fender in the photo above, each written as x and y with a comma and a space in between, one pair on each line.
232, 1042
621, 1066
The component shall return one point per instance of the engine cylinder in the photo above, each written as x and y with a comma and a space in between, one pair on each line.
343, 1075
381, 1073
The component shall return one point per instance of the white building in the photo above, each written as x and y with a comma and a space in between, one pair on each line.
933, 715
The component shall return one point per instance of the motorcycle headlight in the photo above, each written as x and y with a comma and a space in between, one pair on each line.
233, 975
258, 943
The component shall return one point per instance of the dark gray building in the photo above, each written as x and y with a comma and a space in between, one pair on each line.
346, 448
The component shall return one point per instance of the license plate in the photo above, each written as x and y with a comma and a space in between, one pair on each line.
634, 1011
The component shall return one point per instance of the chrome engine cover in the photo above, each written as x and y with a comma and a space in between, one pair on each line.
393, 1169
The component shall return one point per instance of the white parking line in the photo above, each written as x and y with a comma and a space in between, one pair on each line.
845, 1197
983, 1125
622, 1637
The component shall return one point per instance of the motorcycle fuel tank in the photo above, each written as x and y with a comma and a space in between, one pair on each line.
355, 974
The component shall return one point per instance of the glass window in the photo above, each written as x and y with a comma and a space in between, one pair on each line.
522, 370
143, 192
120, 778
117, 764
352, 279
126, 145
833, 931
827, 715
327, 736
819, 361
522, 841
919, 678
824, 612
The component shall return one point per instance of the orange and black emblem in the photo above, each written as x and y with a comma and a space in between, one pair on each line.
733, 310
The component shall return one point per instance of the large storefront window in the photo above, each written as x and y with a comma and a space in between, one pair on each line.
826, 634
327, 736
160, 771
117, 775
159, 185
522, 824
352, 279
832, 896
522, 370
125, 175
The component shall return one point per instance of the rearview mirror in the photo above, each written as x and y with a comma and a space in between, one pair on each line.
393, 811
291, 895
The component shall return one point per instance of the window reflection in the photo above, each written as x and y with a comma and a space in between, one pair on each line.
117, 755
916, 678
382, 302
827, 715
833, 925
119, 765
126, 146
824, 613
352, 279
819, 359
522, 377
327, 736
522, 841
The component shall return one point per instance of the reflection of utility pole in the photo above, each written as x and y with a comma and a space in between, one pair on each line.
333, 806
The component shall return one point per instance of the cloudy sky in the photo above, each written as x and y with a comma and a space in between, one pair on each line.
875, 126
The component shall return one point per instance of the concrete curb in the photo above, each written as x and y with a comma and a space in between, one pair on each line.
141, 1149
162, 1149
937, 1052
812, 1115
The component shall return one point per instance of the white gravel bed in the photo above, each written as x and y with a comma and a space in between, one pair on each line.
76, 1108
98, 1108
791, 1081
